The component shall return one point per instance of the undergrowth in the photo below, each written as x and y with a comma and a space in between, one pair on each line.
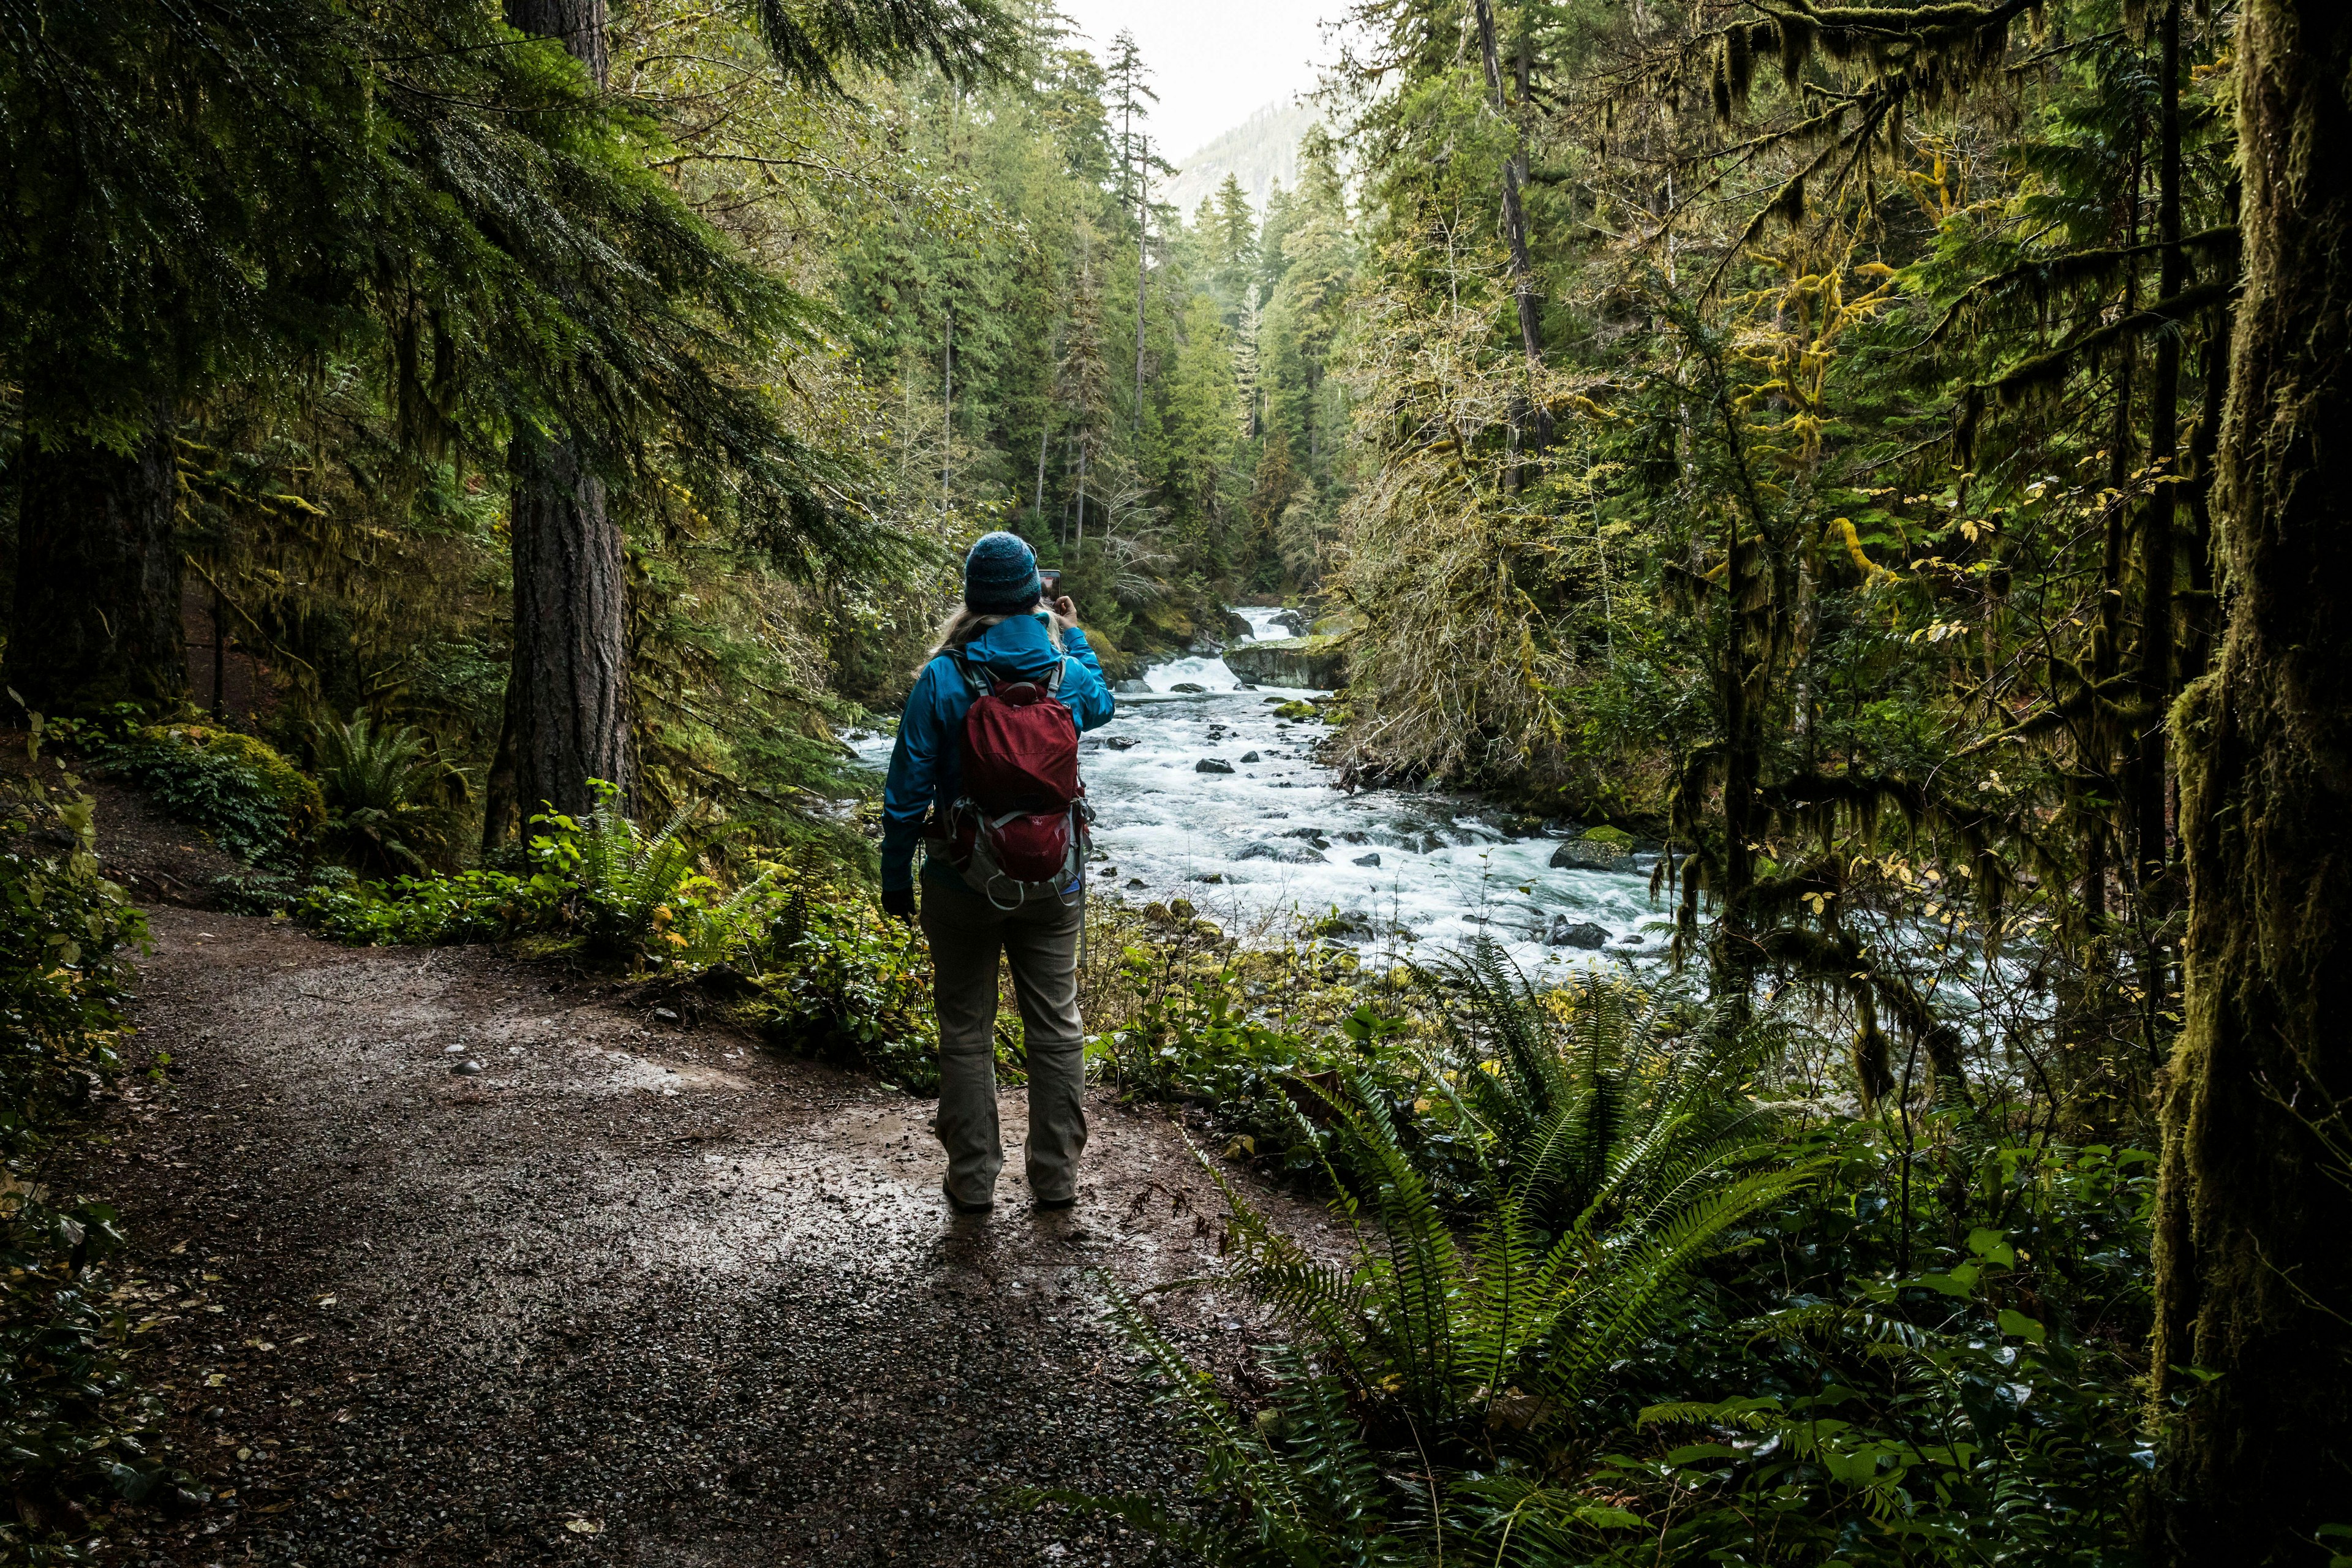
76, 1432
252, 801
1631, 1311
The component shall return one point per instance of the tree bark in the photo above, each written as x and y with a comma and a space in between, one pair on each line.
2252, 1274
567, 692
98, 575
577, 25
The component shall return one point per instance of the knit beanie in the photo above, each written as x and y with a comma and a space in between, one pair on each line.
1000, 575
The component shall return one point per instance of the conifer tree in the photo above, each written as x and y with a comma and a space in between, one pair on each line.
2252, 1364
1231, 230
567, 706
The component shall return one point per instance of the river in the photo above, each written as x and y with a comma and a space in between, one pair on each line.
1275, 841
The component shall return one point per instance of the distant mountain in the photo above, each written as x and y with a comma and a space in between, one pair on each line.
1260, 150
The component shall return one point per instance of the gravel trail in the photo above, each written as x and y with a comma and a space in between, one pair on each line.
630, 1294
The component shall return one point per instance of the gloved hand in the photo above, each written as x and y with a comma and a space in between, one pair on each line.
899, 903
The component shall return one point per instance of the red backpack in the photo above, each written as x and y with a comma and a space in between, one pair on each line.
1020, 828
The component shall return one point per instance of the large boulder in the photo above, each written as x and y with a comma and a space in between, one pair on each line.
1318, 664
1579, 933
1213, 765
1237, 627
1591, 854
1286, 854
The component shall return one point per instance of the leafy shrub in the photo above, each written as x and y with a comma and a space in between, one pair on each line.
843, 983
1666, 1327
72, 1422
1958, 1390
432, 910
605, 881
257, 806
1616, 1158
623, 888
372, 780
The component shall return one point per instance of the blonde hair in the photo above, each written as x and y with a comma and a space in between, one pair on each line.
964, 623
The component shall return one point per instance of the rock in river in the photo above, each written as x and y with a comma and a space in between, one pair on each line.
1372, 861
1213, 765
1289, 855
1188, 686
1584, 934
1589, 855
1319, 664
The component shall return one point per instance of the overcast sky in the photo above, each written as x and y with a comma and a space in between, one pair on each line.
1213, 62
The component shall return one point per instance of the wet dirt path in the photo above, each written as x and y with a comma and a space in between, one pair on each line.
632, 1295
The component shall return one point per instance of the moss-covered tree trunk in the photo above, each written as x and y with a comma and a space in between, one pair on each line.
567, 711
2253, 1351
97, 616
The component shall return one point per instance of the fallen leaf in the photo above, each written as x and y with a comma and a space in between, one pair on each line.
583, 1526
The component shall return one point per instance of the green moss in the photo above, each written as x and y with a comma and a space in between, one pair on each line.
1615, 837
295, 791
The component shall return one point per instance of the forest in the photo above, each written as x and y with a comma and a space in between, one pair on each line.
479, 470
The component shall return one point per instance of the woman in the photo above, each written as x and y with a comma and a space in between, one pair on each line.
1004, 625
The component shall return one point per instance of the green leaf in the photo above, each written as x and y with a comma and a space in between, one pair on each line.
2013, 1321
1992, 1247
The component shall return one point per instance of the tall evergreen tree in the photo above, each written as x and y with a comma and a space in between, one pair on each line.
567, 707
2252, 1364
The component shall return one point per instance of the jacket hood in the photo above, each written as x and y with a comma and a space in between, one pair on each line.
1018, 647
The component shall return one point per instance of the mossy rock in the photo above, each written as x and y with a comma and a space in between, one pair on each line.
1615, 836
1312, 663
295, 791
1298, 710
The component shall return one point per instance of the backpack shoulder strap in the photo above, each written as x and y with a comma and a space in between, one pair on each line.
974, 676
1054, 682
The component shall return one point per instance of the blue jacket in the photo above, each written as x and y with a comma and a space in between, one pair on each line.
927, 764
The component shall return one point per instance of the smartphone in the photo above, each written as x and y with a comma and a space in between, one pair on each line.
1049, 584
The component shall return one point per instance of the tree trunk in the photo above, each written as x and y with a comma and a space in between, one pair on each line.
567, 711
2251, 1268
98, 577
946, 421
567, 693
2153, 674
2149, 771
577, 25
1037, 506
1142, 278
1515, 229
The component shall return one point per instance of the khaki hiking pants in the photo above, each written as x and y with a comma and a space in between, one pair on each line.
1040, 940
